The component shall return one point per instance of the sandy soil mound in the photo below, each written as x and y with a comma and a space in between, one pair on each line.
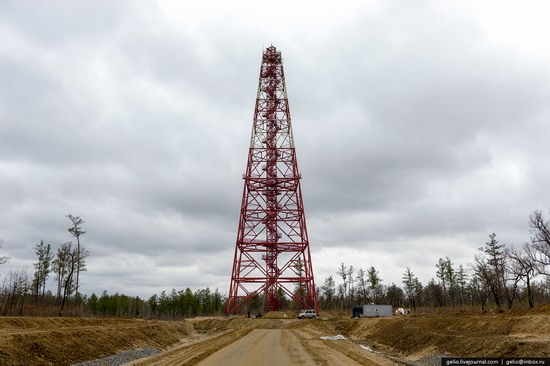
280, 315
220, 323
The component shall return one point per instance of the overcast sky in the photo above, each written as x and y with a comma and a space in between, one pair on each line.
420, 128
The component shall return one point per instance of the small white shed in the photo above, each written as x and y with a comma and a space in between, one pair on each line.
372, 310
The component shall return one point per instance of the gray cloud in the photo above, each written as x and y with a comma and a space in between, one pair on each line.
416, 134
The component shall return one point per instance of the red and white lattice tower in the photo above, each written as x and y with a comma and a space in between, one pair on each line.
272, 252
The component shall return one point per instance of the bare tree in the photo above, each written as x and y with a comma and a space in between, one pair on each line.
540, 242
299, 289
395, 295
60, 267
76, 230
462, 281
343, 272
523, 266
441, 273
361, 285
350, 279
3, 259
341, 296
434, 294
69, 259
479, 289
510, 279
412, 287
448, 277
15, 289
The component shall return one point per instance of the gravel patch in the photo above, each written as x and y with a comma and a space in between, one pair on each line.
121, 358
433, 360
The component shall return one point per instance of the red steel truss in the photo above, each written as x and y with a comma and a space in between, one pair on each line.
272, 252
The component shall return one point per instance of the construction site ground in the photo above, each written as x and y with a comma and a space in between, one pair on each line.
280, 339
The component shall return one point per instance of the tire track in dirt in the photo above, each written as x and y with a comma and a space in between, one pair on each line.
193, 353
341, 352
266, 347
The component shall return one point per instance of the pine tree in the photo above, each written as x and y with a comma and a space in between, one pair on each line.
76, 230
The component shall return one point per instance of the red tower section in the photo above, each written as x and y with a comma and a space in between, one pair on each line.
272, 252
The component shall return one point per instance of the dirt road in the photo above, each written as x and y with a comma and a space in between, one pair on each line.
267, 347
259, 347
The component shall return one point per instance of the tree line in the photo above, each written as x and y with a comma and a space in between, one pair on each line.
499, 275
23, 290
173, 305
24, 293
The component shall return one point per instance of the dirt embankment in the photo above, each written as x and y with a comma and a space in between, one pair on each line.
65, 341
415, 340
281, 342
491, 337
465, 334
420, 337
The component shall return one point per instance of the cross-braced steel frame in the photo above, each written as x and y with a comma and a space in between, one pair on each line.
272, 251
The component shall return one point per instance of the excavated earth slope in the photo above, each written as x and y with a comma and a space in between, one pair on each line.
413, 340
65, 341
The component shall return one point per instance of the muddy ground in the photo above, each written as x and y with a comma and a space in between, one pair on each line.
417, 339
